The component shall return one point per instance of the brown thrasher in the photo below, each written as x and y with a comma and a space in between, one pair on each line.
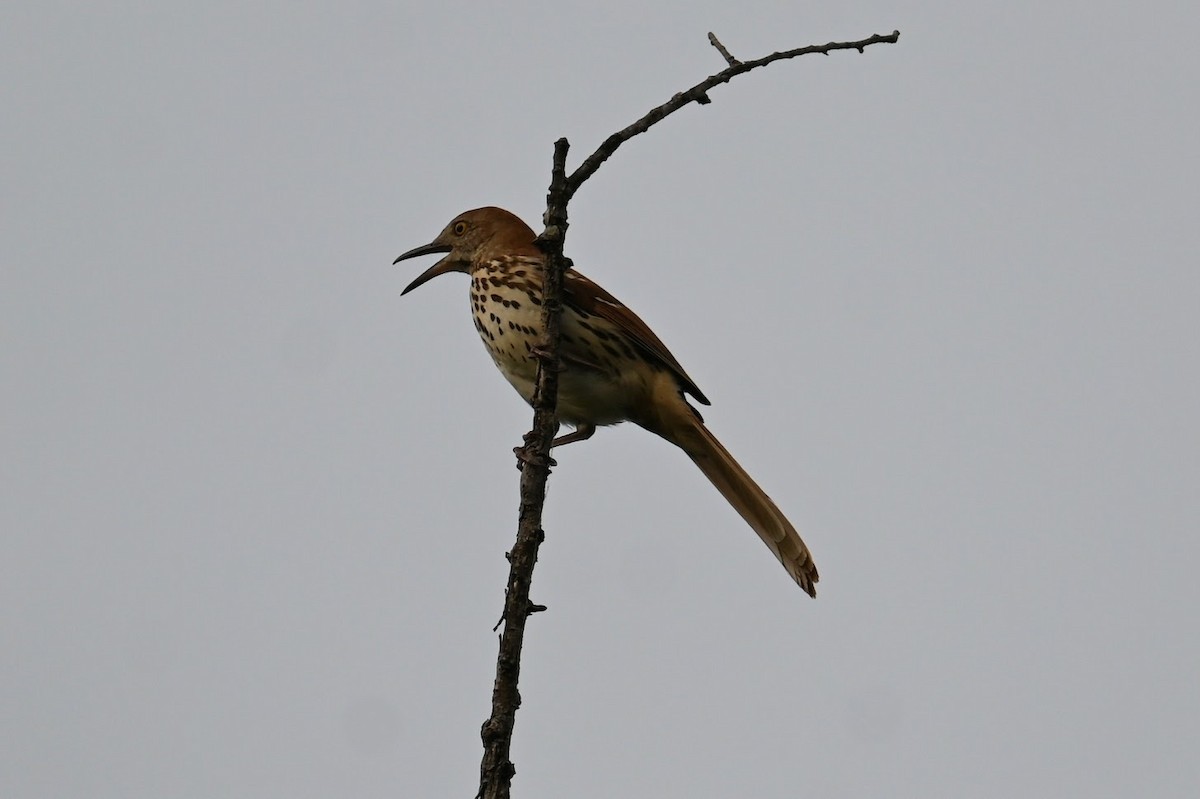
614, 369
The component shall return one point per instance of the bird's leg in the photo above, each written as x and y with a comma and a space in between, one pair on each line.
581, 433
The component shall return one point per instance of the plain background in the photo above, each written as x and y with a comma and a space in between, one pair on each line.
943, 295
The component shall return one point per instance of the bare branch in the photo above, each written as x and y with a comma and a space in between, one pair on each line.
497, 770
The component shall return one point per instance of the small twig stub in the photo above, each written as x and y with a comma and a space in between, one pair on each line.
715, 42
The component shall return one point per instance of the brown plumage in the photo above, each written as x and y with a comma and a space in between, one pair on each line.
614, 368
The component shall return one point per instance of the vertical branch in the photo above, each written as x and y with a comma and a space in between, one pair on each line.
496, 770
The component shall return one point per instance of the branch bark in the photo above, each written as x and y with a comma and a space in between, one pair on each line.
496, 770
534, 460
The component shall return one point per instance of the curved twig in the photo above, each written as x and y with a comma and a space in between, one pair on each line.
699, 94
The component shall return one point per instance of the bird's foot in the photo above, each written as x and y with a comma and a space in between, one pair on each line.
542, 354
525, 454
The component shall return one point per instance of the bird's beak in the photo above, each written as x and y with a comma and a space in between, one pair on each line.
440, 268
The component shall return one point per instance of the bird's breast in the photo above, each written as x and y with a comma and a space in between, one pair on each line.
602, 378
506, 304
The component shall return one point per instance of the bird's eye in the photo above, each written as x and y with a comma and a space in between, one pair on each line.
460, 228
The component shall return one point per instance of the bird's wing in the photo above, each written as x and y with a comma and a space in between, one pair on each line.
591, 298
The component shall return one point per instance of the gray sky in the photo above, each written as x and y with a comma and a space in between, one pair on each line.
943, 296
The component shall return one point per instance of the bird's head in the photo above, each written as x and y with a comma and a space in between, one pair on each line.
473, 237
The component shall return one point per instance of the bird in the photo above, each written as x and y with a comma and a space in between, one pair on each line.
613, 367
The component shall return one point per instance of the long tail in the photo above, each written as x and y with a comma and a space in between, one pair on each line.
690, 435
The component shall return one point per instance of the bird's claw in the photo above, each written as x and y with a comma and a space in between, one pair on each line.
548, 360
526, 455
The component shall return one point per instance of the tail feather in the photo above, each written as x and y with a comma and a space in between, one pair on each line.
748, 500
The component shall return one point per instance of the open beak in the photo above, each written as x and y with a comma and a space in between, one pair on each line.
440, 268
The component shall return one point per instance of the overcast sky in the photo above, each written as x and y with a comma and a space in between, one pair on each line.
254, 504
